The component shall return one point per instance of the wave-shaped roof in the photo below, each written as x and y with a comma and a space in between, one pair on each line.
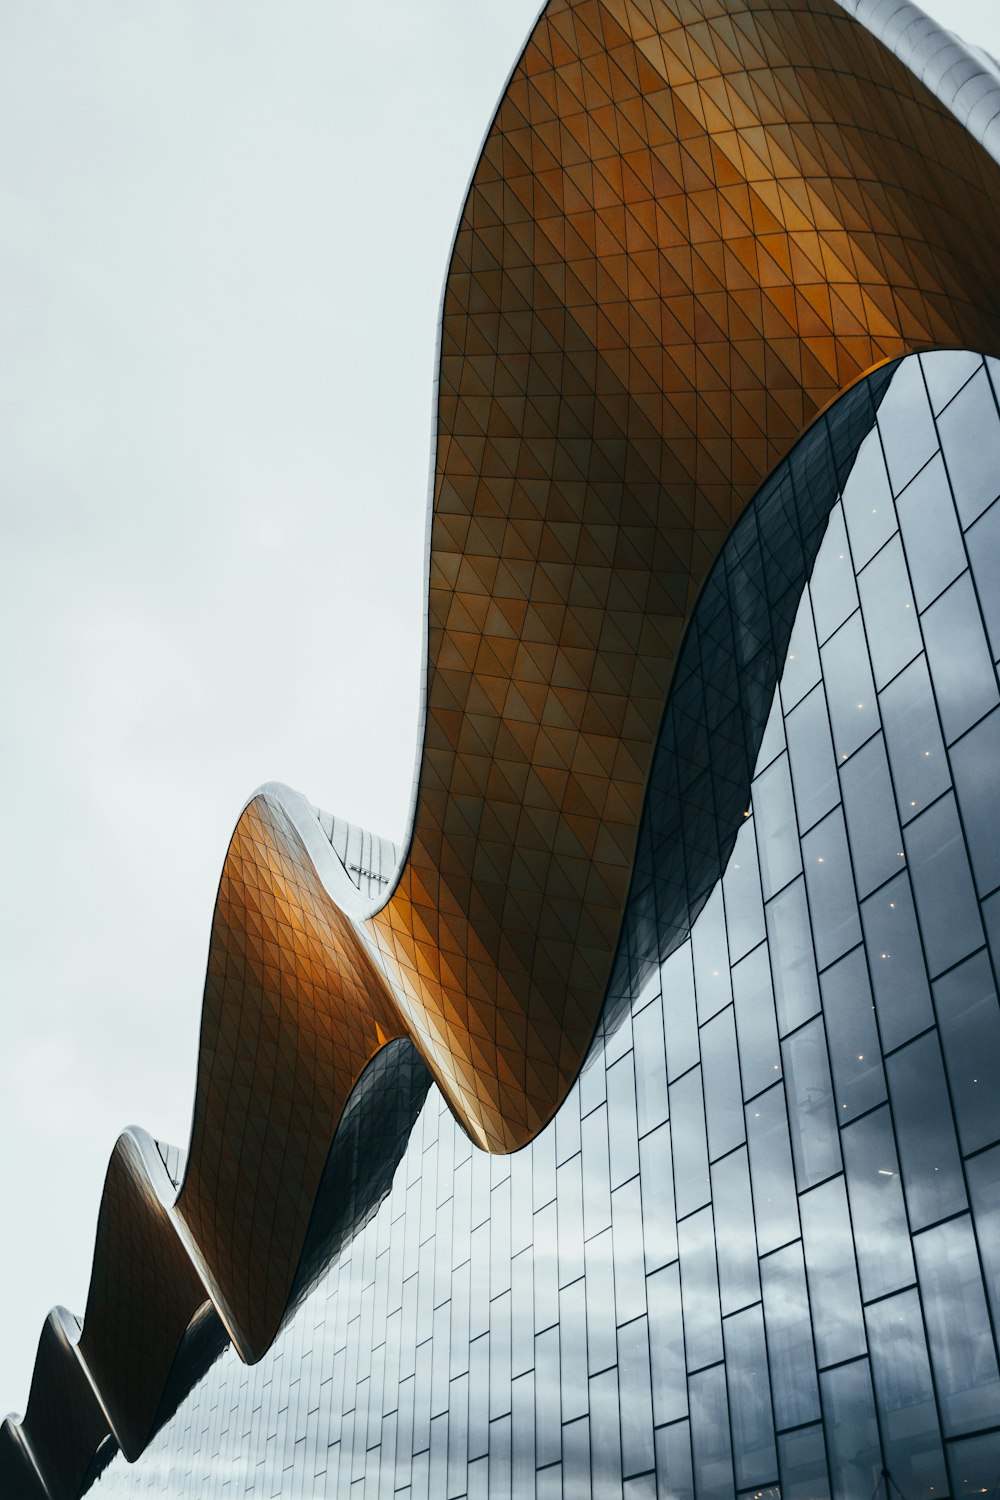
691, 228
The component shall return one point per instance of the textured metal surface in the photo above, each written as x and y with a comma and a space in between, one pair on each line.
691, 228
294, 1009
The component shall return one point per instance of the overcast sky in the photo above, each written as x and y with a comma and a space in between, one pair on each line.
223, 232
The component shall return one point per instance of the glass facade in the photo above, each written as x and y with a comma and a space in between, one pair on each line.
756, 1252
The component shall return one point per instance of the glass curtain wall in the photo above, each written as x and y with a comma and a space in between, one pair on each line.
758, 1251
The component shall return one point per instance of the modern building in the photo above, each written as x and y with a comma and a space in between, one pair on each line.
636, 1129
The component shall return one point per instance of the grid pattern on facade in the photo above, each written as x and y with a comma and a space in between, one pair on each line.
294, 1009
723, 689
692, 226
275, 935
757, 1249
689, 230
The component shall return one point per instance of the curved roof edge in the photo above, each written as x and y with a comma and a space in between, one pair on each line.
662, 273
964, 77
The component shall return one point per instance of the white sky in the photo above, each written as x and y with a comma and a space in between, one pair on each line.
223, 232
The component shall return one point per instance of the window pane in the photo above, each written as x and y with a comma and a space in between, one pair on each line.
773, 742
479, 1391
931, 536
991, 918
596, 1175
984, 1189
810, 754
605, 1434
962, 1350
789, 1337
801, 667
832, 1273
635, 1401
870, 810
896, 964
970, 436
975, 761
680, 1018
500, 1355
543, 1170
969, 1022
522, 1312
546, 1267
965, 683
777, 832
852, 1036
850, 691
721, 1079
567, 1123
576, 1464
802, 1458
735, 1242
622, 1128
650, 1068
946, 371
522, 1428
902, 1376
905, 424
602, 1344
811, 1114
913, 738
868, 507
700, 1290
630, 1282
983, 542
711, 957
548, 1414
756, 1027
572, 1351
925, 1129
688, 1126
666, 1345
793, 965
713, 1463
656, 1176
744, 907
749, 1398
942, 883
499, 1460
569, 1217
881, 1232
771, 1170
832, 587
973, 1463
890, 614
852, 1432
832, 900
458, 1435
673, 1460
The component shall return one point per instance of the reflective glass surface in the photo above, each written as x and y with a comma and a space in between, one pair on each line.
756, 1249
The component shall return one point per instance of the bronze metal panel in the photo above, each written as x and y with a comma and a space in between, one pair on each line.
294, 1010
